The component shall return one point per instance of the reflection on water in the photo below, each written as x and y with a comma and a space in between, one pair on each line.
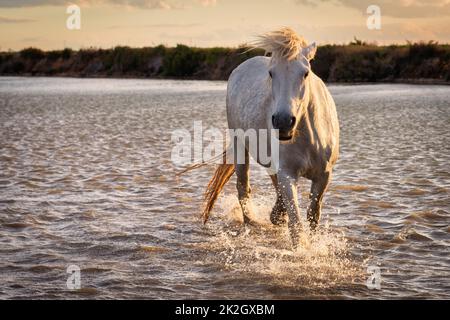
86, 179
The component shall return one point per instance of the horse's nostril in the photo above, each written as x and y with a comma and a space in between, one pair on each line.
293, 119
283, 121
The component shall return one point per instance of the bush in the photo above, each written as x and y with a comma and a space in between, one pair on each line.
181, 61
325, 57
54, 55
67, 53
86, 55
32, 54
214, 54
17, 67
122, 59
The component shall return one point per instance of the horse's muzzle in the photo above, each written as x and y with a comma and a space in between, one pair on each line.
285, 124
285, 136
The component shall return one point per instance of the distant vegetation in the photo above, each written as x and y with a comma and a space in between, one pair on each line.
355, 62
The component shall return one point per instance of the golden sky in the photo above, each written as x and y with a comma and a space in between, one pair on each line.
205, 23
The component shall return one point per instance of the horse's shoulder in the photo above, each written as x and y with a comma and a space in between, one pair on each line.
251, 66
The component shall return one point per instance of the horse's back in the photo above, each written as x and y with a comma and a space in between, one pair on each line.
251, 68
247, 92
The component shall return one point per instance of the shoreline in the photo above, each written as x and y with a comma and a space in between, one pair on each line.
421, 81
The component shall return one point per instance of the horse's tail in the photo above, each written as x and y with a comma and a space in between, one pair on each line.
221, 176
202, 164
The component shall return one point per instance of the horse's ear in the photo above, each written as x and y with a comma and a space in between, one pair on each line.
310, 51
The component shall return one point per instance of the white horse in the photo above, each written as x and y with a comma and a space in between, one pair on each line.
281, 92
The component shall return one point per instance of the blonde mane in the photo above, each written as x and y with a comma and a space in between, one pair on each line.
282, 44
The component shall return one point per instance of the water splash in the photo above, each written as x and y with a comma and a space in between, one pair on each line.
324, 260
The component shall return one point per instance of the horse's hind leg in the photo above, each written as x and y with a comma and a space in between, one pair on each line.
243, 188
279, 211
318, 188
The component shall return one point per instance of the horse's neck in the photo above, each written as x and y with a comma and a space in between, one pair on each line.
311, 110
309, 97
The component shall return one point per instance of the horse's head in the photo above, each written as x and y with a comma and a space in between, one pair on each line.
289, 90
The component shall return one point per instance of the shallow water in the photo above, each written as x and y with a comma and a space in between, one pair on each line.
86, 179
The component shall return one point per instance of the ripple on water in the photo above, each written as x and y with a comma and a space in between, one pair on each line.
86, 178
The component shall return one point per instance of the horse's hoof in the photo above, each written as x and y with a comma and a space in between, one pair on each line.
278, 217
250, 221
299, 238
313, 225
278, 220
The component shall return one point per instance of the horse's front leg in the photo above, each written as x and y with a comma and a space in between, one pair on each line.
318, 187
243, 188
287, 184
279, 212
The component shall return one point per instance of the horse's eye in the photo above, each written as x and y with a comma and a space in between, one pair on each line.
306, 74
270, 74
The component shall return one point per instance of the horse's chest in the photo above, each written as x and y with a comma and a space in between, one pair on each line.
303, 157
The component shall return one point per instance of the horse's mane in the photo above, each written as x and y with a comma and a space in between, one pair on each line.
282, 44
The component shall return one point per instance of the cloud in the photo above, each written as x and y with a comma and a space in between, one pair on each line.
398, 32
144, 4
157, 26
207, 3
398, 9
30, 39
30, 3
4, 20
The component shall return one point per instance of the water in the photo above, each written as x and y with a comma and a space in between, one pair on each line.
86, 179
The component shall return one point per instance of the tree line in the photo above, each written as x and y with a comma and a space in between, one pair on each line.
354, 62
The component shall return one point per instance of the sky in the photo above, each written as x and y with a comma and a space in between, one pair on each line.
207, 23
